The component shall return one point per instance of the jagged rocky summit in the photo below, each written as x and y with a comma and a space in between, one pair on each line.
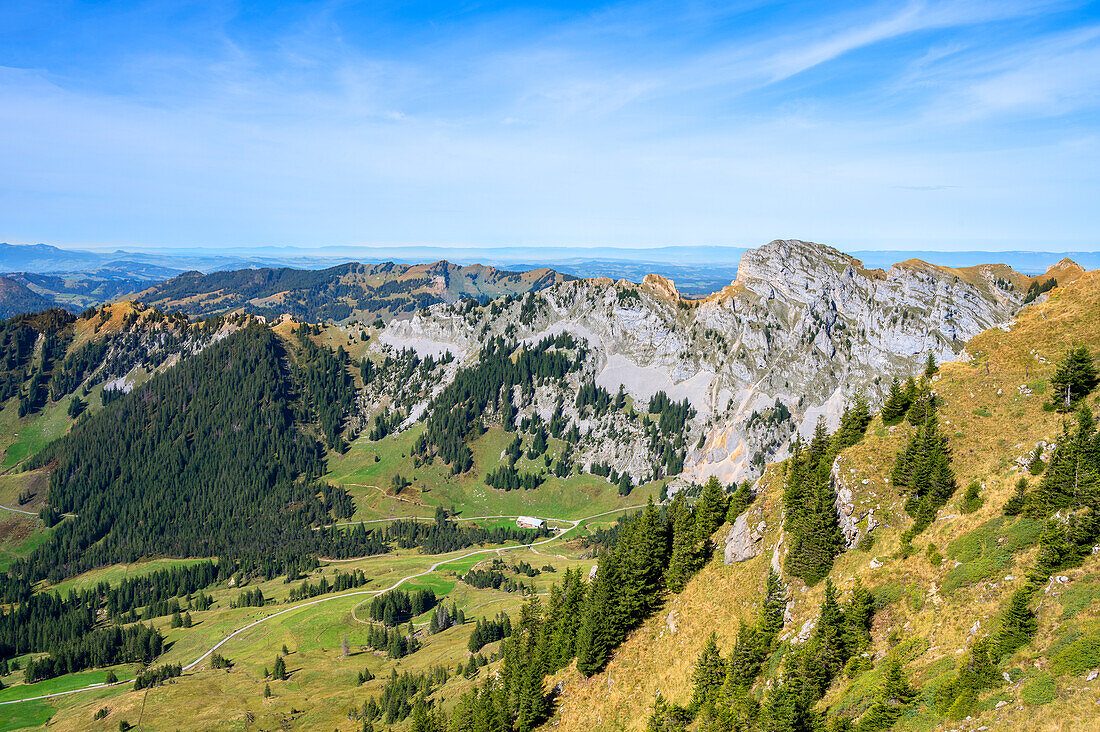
801, 329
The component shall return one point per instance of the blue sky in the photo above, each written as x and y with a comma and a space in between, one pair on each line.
931, 125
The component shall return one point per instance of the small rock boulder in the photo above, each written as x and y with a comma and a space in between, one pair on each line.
742, 542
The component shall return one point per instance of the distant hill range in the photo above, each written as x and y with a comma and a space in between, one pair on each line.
321, 283
360, 291
17, 298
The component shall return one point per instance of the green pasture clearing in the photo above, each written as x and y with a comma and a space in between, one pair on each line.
67, 682
29, 715
21, 437
19, 535
370, 482
118, 572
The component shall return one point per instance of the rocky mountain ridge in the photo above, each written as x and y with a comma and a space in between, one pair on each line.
801, 329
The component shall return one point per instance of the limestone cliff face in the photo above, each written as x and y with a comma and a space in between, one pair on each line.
792, 338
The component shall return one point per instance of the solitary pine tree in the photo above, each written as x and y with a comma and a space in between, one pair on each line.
1075, 378
930, 366
279, 673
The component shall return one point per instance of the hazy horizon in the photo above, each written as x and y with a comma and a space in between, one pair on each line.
520, 250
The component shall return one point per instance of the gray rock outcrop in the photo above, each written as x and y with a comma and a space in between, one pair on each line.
800, 330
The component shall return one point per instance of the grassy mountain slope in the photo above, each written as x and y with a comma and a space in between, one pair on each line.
338, 293
926, 614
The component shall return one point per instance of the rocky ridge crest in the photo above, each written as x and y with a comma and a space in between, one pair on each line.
801, 329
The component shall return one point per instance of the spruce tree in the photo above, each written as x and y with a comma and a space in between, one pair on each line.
1075, 378
749, 652
1070, 482
710, 510
568, 617
625, 485
930, 366
708, 675
923, 404
739, 501
818, 538
775, 604
785, 707
831, 632
957, 697
279, 673
1036, 465
978, 670
891, 701
644, 557
595, 636
1018, 625
858, 613
810, 504
1014, 505
923, 469
896, 404
854, 421
686, 556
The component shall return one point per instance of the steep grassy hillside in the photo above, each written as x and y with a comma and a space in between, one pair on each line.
933, 603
